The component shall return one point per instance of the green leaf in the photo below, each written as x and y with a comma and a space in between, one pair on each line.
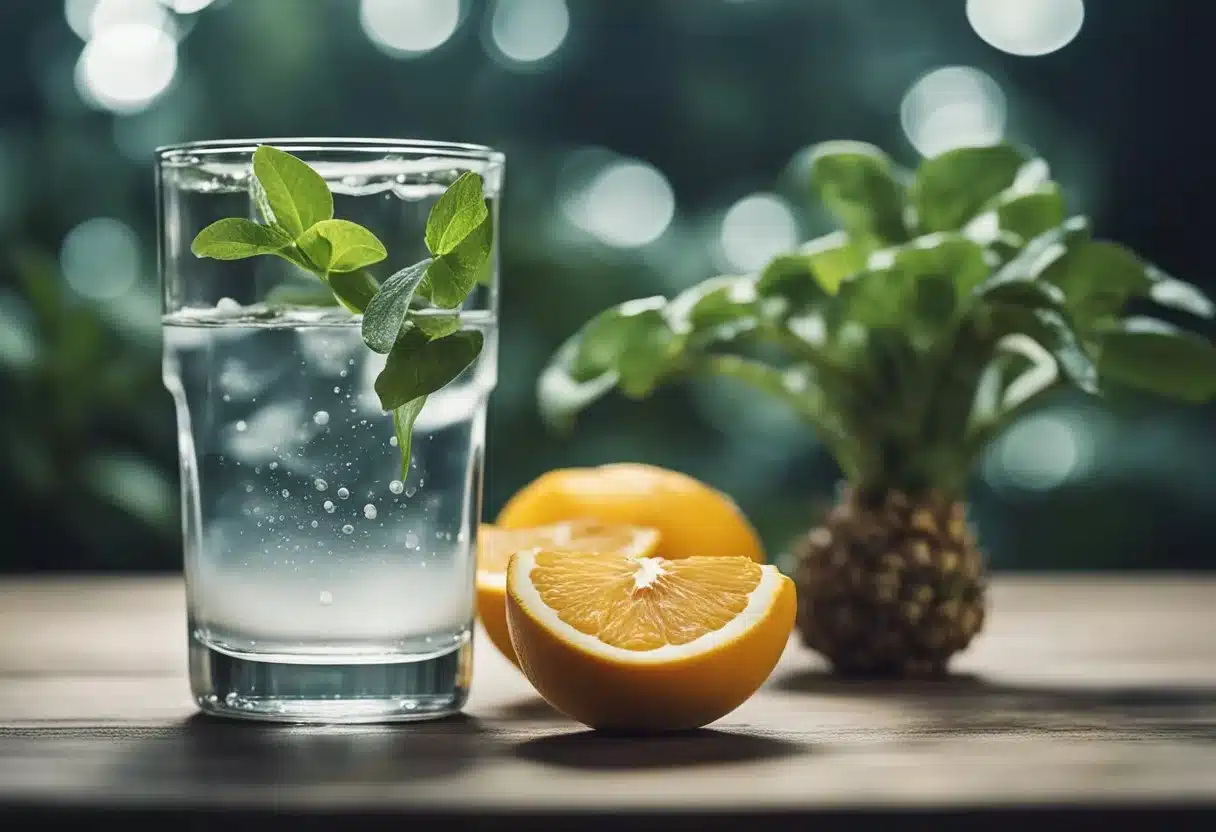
404, 418
287, 295
946, 254
634, 341
1160, 359
354, 290
714, 308
341, 246
452, 276
934, 300
383, 316
435, 326
953, 187
861, 187
1040, 254
1173, 293
1030, 214
792, 278
236, 239
828, 261
456, 214
417, 366
560, 396
1053, 332
296, 194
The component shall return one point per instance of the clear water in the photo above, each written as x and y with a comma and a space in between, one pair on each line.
315, 572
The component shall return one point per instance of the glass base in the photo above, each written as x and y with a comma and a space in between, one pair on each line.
243, 687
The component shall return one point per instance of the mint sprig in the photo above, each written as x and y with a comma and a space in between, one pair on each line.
426, 349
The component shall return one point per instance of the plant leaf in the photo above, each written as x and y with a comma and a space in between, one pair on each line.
1173, 293
354, 290
287, 295
452, 276
633, 340
946, 254
1040, 254
1053, 332
417, 366
1159, 359
295, 193
404, 418
950, 189
457, 213
1030, 214
860, 185
341, 246
560, 396
435, 326
236, 238
384, 314
715, 309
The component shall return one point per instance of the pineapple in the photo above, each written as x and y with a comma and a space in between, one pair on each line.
951, 299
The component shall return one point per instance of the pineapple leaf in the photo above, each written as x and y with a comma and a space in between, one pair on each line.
1157, 357
862, 188
950, 189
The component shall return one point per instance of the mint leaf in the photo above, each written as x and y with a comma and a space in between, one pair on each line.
435, 326
1160, 359
453, 275
295, 194
417, 366
953, 187
861, 187
383, 316
355, 290
341, 246
403, 426
456, 214
236, 239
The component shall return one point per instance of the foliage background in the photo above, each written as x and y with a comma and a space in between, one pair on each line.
719, 97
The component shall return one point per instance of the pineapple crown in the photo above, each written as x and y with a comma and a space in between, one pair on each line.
951, 299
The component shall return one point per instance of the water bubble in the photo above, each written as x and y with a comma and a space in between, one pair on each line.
227, 397
320, 484
327, 597
321, 417
396, 486
392, 440
343, 493
285, 493
347, 528
411, 541
240, 426
328, 505
314, 524
369, 511
411, 491
249, 488
343, 373
337, 390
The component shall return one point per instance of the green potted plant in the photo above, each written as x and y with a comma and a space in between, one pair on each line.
952, 298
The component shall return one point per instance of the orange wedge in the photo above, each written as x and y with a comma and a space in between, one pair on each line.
633, 644
495, 547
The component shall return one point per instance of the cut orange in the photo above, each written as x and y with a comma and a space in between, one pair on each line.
692, 518
646, 644
495, 547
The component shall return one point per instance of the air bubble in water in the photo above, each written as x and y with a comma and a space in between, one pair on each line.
343, 493
396, 486
411, 541
347, 528
321, 417
313, 524
273, 466
249, 488
411, 491
327, 597
337, 390
285, 493
392, 440
240, 426
369, 511
328, 505
320, 484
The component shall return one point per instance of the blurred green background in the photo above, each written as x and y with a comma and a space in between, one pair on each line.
651, 143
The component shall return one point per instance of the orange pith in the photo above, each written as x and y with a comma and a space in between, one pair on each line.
644, 603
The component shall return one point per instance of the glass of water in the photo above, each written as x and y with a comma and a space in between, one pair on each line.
322, 585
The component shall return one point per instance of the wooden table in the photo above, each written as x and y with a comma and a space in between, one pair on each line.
1084, 696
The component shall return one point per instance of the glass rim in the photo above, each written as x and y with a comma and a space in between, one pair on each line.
296, 144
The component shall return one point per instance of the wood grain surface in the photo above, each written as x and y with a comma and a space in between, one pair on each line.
1091, 694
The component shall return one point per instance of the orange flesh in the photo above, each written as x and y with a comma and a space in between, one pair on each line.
495, 545
644, 603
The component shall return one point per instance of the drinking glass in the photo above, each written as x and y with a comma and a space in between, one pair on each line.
321, 584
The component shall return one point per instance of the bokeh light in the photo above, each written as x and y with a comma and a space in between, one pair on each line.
528, 31
126, 67
89, 18
756, 229
1040, 452
404, 28
954, 106
100, 258
1026, 27
187, 6
626, 205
